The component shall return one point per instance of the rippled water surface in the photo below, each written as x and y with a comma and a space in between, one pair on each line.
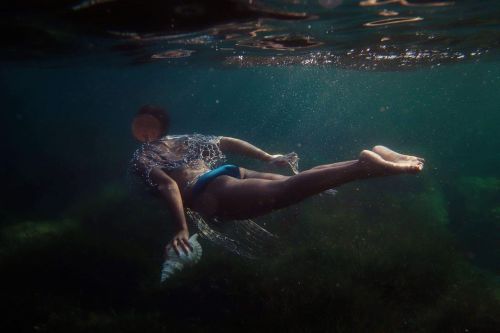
81, 247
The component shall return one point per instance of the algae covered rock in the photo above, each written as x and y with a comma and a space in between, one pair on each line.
480, 194
480, 184
22, 233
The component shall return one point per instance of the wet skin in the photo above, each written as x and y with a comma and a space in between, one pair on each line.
259, 193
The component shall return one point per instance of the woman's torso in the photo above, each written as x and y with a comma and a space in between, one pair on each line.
185, 177
182, 157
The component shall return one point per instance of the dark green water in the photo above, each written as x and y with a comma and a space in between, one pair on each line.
81, 252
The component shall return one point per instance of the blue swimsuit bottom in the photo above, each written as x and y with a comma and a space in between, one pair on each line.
224, 170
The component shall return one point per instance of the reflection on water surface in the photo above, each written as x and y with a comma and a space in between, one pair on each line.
421, 33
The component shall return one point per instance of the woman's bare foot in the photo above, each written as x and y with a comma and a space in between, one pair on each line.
375, 165
392, 156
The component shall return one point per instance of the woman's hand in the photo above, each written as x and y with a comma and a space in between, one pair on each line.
180, 242
279, 160
291, 159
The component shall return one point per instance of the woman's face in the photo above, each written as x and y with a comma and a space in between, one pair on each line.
146, 128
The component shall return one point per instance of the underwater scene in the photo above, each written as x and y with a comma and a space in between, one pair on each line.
83, 241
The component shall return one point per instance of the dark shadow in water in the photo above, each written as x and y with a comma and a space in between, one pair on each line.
31, 29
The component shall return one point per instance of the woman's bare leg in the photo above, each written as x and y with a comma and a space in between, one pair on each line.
245, 198
323, 166
247, 174
384, 152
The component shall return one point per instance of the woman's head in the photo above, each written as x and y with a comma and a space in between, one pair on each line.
150, 123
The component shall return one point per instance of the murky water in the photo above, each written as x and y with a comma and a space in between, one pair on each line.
81, 249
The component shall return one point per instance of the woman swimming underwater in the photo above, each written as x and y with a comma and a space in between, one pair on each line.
188, 171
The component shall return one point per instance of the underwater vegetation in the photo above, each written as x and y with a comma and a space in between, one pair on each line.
348, 263
475, 214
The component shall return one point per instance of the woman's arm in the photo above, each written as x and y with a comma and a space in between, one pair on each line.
170, 192
237, 146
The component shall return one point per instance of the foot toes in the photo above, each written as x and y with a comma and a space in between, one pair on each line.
418, 167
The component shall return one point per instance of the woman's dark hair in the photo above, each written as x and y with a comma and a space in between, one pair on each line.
159, 113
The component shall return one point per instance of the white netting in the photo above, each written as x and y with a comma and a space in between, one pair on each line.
293, 161
175, 151
242, 237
